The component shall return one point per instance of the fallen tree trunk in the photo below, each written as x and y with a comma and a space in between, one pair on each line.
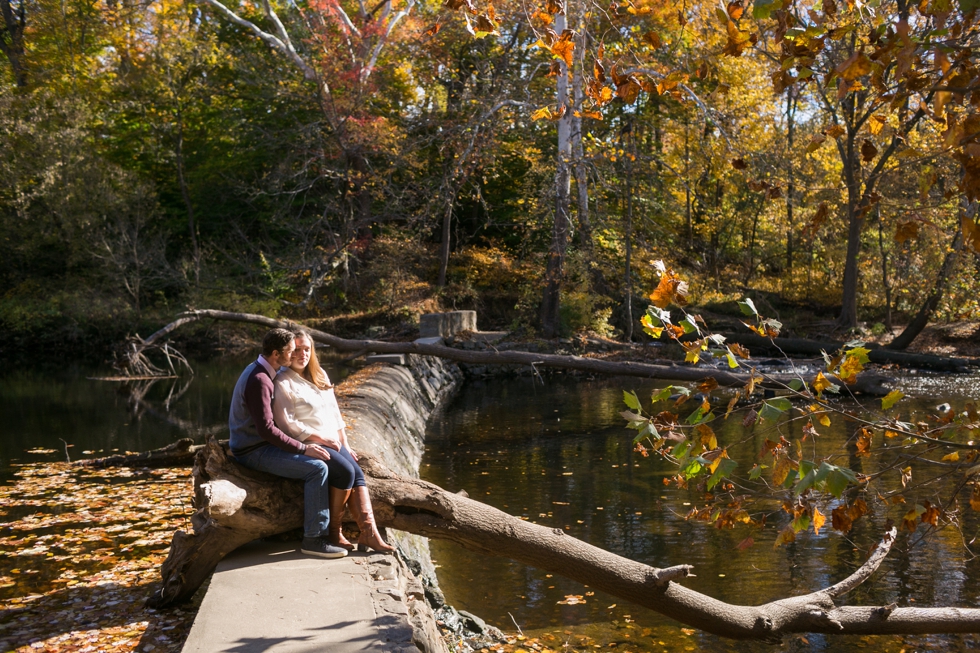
866, 383
878, 354
236, 505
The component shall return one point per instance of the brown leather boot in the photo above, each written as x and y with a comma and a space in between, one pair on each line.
338, 498
360, 508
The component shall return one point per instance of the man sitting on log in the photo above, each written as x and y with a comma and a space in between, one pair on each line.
257, 443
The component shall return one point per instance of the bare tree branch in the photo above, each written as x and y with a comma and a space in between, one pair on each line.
383, 39
281, 43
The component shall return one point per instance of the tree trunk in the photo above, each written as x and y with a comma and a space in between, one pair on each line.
554, 270
597, 279
791, 103
886, 285
236, 505
185, 194
628, 236
12, 39
921, 319
444, 246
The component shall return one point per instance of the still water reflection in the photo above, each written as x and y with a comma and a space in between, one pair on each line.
52, 411
558, 455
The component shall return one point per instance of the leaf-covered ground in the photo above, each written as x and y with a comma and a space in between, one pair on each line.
80, 551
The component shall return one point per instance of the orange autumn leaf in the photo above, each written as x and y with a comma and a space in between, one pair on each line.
554, 7
863, 443
931, 514
834, 131
735, 9
671, 289
707, 385
971, 233
738, 40
856, 66
652, 39
564, 47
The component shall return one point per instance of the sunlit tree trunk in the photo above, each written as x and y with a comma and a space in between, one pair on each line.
855, 222
792, 99
628, 237
554, 271
12, 39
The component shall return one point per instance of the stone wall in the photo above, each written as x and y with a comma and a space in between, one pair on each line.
386, 408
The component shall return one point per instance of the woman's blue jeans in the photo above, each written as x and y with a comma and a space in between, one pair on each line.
313, 472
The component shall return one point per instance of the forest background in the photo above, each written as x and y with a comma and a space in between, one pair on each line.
370, 162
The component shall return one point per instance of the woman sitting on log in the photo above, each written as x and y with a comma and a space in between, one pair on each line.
305, 407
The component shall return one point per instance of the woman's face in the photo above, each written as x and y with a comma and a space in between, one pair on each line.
301, 354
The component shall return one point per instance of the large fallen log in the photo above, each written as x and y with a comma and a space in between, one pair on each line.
866, 383
878, 354
236, 505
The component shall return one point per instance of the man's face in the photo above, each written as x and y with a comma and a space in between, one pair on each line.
284, 354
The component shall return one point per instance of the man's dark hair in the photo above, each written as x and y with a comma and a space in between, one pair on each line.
275, 340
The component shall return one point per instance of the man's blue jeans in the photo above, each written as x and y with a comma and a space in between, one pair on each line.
313, 472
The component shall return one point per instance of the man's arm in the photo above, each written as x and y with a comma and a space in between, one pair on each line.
258, 401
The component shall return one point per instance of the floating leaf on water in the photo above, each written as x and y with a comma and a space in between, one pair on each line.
572, 599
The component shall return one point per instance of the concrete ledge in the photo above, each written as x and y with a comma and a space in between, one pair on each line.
269, 597
390, 359
443, 325
266, 596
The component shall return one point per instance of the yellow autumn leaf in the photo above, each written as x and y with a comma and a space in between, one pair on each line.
849, 370
544, 113
821, 383
781, 469
819, 519
891, 398
952, 457
785, 536
708, 437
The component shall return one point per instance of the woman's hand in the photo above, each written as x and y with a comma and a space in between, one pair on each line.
352, 454
330, 443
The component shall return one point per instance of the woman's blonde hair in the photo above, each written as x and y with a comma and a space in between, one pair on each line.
313, 372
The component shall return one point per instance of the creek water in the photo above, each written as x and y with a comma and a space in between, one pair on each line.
555, 452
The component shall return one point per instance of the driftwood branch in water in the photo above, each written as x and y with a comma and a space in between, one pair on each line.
867, 383
878, 354
236, 505
177, 454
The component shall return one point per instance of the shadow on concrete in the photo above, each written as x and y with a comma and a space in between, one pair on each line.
261, 644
